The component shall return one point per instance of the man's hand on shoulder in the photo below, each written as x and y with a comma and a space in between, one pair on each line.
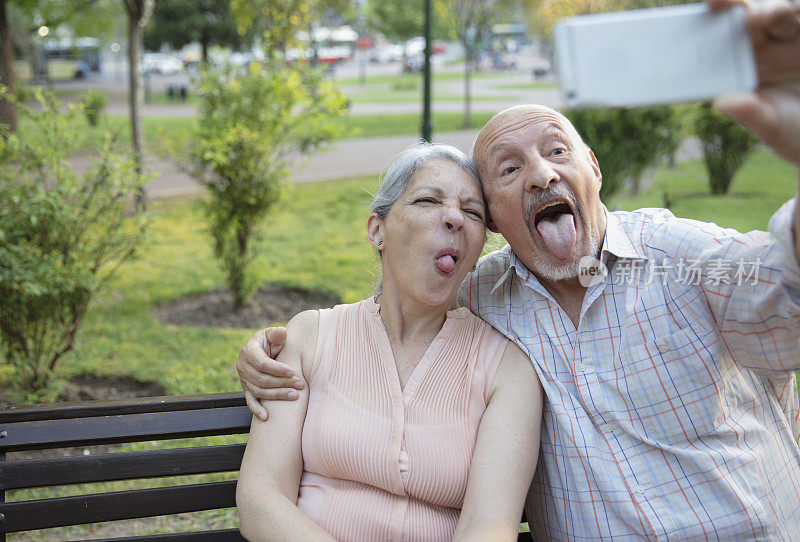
262, 377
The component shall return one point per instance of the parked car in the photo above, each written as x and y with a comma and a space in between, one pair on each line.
416, 46
334, 54
414, 63
386, 53
161, 63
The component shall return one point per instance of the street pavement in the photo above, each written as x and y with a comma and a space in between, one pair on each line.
342, 159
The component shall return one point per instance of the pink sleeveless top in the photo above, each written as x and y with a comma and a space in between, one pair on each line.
385, 463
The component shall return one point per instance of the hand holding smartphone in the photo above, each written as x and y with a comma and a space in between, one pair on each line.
652, 56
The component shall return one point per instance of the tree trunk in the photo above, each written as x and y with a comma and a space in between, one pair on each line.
205, 41
135, 100
239, 297
139, 12
8, 110
469, 60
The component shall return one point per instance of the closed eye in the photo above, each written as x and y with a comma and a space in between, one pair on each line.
474, 213
426, 200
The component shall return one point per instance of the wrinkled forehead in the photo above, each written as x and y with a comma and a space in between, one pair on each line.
445, 176
511, 121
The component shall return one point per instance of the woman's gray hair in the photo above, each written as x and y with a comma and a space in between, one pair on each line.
407, 163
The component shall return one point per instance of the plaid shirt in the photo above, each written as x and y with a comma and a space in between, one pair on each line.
672, 411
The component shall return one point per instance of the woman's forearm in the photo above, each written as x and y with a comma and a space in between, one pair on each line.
274, 517
481, 531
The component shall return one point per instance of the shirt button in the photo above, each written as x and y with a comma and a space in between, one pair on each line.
663, 348
608, 428
581, 368
638, 489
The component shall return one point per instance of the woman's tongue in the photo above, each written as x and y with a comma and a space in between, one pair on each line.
559, 234
445, 263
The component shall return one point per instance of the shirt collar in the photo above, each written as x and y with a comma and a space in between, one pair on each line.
514, 266
617, 242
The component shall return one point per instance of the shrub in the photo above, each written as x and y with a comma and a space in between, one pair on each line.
23, 92
63, 235
251, 127
626, 141
93, 103
725, 146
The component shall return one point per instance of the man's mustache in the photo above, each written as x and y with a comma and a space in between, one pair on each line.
554, 191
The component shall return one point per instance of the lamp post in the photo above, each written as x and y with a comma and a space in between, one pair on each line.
427, 127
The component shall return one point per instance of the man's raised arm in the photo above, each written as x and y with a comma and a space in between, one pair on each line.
772, 112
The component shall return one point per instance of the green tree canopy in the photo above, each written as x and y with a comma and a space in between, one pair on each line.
399, 20
180, 22
278, 22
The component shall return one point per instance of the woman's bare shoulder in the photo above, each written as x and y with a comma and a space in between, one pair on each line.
301, 341
516, 370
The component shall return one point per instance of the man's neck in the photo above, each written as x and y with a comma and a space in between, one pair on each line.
569, 294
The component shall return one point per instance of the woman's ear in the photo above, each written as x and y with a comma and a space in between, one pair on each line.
375, 232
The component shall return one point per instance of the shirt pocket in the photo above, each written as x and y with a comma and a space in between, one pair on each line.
673, 386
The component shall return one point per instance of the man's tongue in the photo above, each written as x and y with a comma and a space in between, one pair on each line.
445, 263
558, 233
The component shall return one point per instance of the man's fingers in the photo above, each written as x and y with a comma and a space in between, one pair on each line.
276, 338
783, 24
256, 378
255, 406
718, 5
275, 394
256, 353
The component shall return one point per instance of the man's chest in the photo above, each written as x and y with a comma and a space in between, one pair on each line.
644, 357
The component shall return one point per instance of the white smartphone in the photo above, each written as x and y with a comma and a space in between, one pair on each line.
650, 56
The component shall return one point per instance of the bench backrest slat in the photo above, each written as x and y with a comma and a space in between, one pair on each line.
120, 466
223, 535
60, 433
35, 427
139, 503
140, 405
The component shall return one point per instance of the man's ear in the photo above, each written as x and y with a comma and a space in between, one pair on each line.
596, 167
375, 232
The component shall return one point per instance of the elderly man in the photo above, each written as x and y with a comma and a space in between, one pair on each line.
672, 408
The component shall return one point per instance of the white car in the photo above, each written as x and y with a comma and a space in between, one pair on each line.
390, 52
161, 63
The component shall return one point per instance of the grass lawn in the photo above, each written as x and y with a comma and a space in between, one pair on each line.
395, 78
316, 239
759, 188
527, 86
378, 95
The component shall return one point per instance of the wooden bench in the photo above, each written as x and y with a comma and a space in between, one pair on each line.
132, 420
67, 425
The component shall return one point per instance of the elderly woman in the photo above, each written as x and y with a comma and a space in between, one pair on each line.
415, 423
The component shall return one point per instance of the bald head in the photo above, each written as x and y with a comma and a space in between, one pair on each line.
529, 156
511, 119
